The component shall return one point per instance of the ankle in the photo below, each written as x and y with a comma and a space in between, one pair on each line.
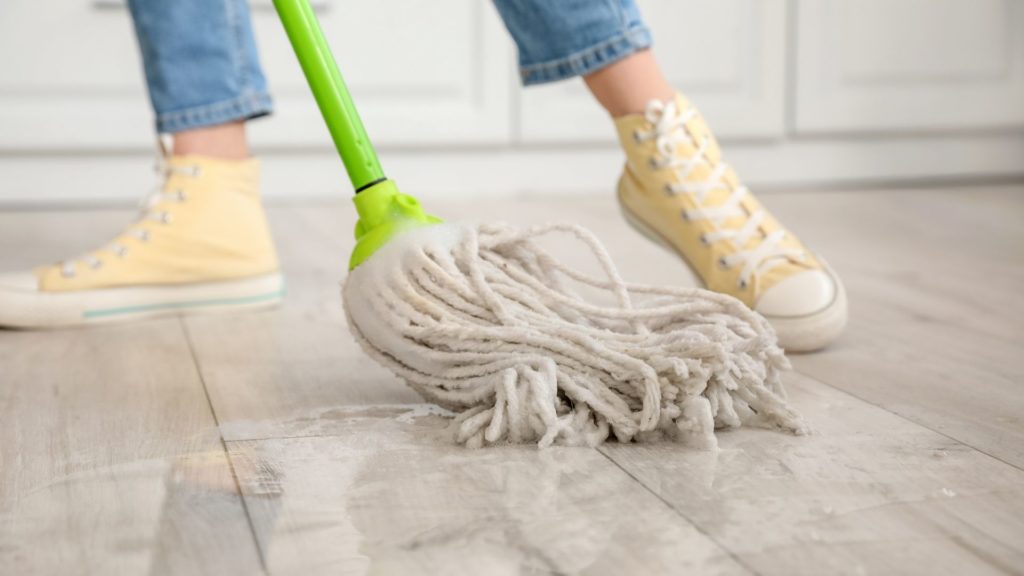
223, 142
625, 87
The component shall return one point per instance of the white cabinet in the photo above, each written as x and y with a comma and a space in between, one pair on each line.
918, 65
70, 77
802, 91
423, 72
727, 55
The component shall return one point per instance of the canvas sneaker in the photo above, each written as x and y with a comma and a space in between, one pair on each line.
200, 244
677, 191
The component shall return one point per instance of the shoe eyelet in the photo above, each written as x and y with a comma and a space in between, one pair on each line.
669, 191
742, 284
723, 264
182, 196
96, 265
165, 218
653, 164
704, 240
197, 171
636, 136
687, 216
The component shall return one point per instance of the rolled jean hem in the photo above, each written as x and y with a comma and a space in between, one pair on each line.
245, 107
590, 59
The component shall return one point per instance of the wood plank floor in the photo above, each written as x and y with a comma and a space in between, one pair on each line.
266, 443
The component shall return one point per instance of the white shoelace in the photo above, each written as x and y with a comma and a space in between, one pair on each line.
146, 212
669, 129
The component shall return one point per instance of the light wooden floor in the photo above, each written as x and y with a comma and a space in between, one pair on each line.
266, 443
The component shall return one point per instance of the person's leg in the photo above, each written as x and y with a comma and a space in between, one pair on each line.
202, 71
675, 188
563, 39
201, 242
628, 85
226, 141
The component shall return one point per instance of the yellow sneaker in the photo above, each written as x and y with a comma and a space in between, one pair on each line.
201, 243
677, 191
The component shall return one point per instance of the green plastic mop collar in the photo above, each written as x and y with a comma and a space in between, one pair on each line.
383, 213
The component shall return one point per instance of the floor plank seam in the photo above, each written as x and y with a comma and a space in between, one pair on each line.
908, 419
678, 512
224, 446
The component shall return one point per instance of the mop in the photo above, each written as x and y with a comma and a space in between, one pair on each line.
483, 321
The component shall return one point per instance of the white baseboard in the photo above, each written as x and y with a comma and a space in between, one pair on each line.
478, 173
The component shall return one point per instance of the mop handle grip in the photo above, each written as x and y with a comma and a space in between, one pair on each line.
343, 122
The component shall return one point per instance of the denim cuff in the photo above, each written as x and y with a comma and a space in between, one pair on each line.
589, 59
245, 107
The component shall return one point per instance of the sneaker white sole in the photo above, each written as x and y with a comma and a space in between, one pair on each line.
796, 333
34, 309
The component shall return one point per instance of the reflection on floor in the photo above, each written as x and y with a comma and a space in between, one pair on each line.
267, 443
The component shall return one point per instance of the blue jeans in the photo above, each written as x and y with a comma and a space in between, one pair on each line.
559, 39
202, 67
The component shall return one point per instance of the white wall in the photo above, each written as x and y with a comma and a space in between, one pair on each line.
803, 92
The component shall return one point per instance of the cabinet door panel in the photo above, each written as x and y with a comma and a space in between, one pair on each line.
70, 76
728, 56
421, 71
896, 65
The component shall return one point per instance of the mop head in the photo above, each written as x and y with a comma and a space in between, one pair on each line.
482, 321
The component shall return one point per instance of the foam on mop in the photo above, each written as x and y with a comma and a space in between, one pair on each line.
482, 321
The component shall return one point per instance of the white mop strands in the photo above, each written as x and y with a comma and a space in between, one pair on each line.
483, 322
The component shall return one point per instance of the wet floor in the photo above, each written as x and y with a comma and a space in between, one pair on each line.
267, 443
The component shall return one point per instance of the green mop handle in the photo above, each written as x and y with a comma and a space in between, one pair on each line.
354, 147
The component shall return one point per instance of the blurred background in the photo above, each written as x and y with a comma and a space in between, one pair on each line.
805, 94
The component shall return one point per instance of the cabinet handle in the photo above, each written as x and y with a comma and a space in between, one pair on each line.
319, 6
